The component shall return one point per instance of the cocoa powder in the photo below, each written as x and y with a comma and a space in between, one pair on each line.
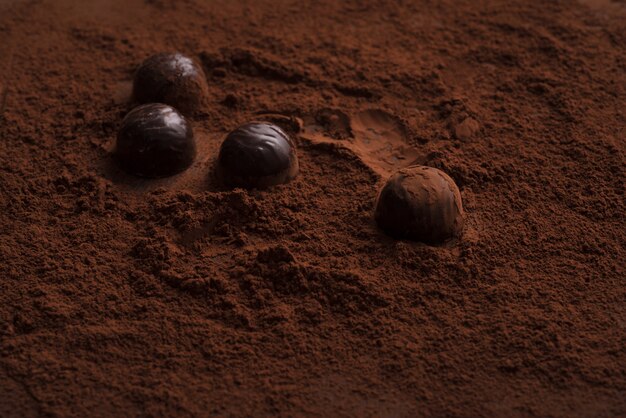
122, 296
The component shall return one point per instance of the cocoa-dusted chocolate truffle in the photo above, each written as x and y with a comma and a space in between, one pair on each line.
173, 79
155, 140
420, 204
257, 155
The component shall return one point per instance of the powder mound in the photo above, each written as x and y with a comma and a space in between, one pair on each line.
276, 254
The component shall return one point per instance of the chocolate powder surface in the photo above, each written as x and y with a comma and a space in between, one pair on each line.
174, 297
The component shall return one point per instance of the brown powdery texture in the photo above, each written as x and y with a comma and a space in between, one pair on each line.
174, 297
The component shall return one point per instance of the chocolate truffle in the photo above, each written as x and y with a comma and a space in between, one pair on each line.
257, 155
173, 79
155, 140
420, 204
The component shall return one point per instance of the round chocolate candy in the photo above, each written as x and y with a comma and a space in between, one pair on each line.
420, 204
173, 79
155, 140
257, 155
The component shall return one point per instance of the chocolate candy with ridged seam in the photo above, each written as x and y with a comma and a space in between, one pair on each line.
420, 204
257, 155
173, 79
154, 141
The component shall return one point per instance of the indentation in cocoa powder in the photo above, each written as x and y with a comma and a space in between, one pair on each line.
379, 139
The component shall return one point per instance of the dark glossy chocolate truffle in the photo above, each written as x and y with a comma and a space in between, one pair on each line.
173, 79
420, 204
155, 140
257, 155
